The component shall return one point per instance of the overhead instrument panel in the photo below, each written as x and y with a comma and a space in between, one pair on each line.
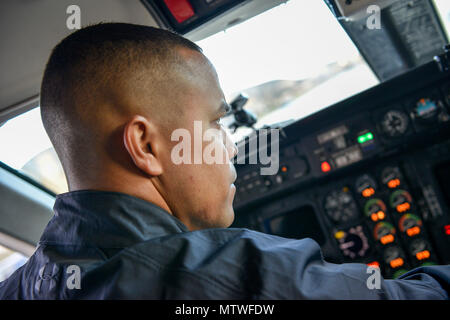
186, 16
408, 32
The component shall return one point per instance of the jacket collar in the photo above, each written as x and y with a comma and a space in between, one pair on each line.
107, 219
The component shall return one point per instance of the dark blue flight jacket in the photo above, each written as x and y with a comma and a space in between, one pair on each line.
107, 245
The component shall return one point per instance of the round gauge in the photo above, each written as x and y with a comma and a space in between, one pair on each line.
384, 232
393, 257
365, 186
419, 248
375, 209
353, 243
340, 205
426, 109
401, 201
391, 177
410, 224
394, 123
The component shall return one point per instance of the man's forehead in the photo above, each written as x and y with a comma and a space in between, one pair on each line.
203, 80
196, 62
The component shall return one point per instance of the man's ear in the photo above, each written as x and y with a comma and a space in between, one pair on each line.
139, 137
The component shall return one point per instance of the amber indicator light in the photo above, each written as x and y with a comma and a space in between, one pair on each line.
377, 216
413, 231
394, 183
403, 207
396, 263
425, 254
368, 192
387, 239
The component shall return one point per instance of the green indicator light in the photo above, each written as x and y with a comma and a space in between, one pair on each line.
365, 137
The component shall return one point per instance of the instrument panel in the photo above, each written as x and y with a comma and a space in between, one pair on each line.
367, 178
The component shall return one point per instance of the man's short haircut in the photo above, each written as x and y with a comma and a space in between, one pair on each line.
97, 57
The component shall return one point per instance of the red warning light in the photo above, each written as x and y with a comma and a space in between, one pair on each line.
325, 166
447, 229
374, 264
180, 9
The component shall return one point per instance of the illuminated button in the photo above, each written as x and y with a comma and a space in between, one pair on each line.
284, 169
325, 166
389, 238
447, 229
398, 262
374, 264
368, 192
413, 231
403, 207
180, 9
425, 254
365, 137
380, 215
393, 183
339, 235
377, 216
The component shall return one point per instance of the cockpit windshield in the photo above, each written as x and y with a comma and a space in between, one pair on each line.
290, 61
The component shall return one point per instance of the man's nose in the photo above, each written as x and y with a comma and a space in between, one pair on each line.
230, 145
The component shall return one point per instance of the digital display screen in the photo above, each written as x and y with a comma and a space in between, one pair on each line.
297, 224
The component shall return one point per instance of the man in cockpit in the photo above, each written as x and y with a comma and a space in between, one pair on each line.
139, 224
